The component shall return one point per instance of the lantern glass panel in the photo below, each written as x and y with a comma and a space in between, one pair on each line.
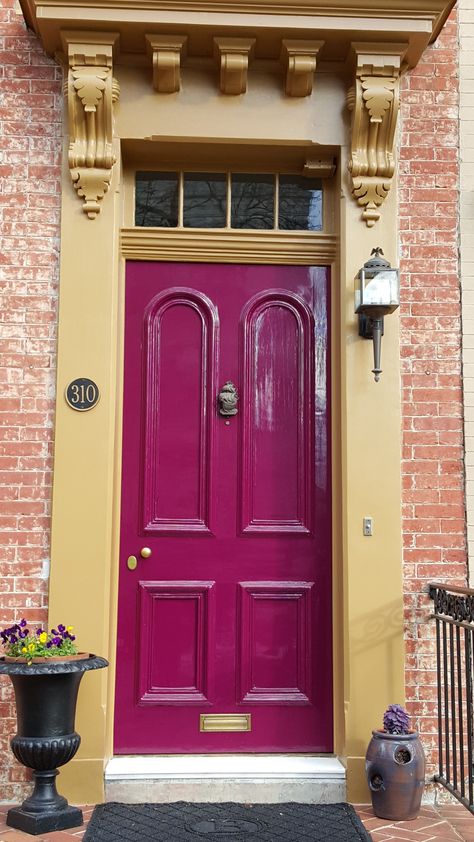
378, 289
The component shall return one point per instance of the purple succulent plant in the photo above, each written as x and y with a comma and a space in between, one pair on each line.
396, 720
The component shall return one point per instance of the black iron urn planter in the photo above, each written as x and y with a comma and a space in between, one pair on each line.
46, 696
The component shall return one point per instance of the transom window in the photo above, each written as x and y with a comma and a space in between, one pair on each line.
228, 200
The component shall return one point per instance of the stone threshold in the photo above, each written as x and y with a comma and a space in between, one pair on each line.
251, 778
199, 766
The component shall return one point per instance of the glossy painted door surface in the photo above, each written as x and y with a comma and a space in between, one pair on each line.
231, 612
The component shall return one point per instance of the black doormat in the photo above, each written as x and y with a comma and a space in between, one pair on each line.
225, 823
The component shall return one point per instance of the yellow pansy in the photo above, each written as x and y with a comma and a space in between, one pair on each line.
70, 628
23, 649
43, 637
31, 647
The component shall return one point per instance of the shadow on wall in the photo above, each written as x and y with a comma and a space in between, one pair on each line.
376, 678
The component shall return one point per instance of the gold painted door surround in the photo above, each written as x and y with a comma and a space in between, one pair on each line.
264, 85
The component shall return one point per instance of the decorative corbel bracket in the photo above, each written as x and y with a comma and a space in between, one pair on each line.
167, 52
299, 59
233, 55
374, 101
91, 91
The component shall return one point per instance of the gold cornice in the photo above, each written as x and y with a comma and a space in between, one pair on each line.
269, 21
362, 8
209, 245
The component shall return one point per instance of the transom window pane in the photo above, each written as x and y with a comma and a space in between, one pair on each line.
205, 200
300, 203
156, 199
232, 201
253, 201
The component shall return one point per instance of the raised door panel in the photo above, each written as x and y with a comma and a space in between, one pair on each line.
180, 346
275, 642
175, 628
276, 491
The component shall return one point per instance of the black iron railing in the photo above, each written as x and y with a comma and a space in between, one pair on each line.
454, 618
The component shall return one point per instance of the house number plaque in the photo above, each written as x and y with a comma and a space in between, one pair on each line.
82, 394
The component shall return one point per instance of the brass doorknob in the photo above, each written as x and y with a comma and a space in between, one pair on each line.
145, 552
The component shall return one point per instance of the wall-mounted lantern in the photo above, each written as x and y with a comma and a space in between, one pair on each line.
377, 293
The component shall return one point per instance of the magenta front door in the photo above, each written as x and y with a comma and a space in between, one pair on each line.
231, 612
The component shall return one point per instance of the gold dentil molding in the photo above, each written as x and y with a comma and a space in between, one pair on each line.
91, 91
166, 51
374, 101
233, 55
299, 59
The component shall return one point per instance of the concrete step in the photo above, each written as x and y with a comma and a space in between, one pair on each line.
248, 778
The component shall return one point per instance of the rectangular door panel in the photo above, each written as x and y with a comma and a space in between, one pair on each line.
175, 630
275, 642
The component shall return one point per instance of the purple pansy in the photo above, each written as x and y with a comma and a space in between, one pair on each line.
58, 641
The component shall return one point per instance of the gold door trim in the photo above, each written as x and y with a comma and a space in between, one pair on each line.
217, 246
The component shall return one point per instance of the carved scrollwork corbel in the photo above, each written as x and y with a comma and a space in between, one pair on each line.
91, 91
374, 101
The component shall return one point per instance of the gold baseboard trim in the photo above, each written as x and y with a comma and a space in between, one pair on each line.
225, 722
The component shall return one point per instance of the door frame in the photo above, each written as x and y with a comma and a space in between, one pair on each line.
86, 496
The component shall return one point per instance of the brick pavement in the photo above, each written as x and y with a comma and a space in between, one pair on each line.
448, 823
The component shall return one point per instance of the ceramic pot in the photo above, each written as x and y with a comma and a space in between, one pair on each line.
46, 697
395, 768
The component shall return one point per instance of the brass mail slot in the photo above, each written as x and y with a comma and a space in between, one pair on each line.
225, 722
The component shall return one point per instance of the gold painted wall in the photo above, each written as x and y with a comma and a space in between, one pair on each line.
366, 416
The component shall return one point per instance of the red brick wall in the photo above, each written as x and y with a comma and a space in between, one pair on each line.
433, 478
30, 150
433, 503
